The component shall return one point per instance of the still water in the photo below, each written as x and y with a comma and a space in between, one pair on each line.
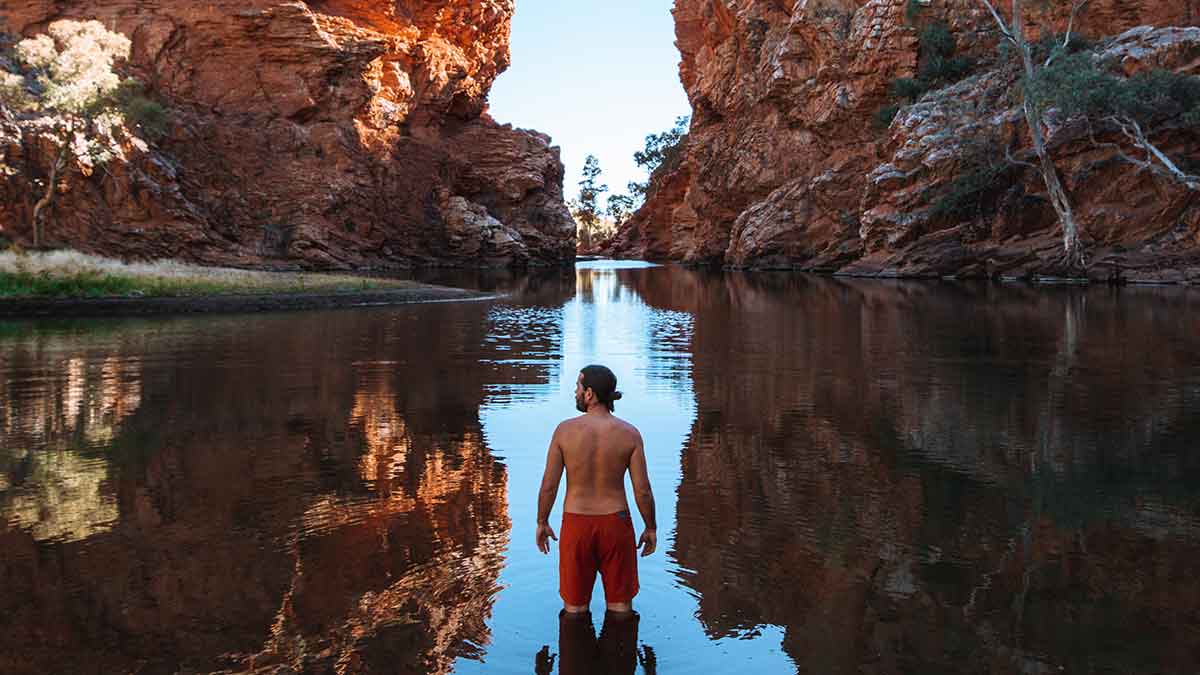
851, 477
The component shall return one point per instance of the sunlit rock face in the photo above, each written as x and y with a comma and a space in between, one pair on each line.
785, 166
327, 134
896, 506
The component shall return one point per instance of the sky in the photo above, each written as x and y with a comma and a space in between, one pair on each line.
598, 76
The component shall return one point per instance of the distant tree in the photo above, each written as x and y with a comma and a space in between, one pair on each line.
588, 210
663, 148
1013, 36
62, 86
620, 207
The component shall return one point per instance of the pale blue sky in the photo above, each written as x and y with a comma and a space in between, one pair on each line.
597, 75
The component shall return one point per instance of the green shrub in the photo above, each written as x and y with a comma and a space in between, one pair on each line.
937, 40
1079, 85
148, 116
1042, 49
908, 89
885, 115
940, 69
938, 64
971, 194
912, 10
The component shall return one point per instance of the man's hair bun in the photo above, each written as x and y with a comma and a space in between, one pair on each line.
616, 396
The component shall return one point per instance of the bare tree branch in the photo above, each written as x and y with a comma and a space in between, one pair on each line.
1018, 162
1188, 180
1075, 9
1004, 31
1156, 161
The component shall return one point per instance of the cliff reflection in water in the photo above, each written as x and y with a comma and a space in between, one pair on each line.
928, 478
250, 494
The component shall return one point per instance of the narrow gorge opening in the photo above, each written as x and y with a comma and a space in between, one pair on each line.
598, 77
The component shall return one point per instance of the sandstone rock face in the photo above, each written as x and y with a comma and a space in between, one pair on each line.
330, 133
785, 168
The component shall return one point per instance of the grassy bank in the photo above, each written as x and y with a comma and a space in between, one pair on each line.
68, 274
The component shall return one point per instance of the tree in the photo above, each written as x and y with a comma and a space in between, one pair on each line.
620, 207
1081, 86
1014, 35
590, 189
62, 86
663, 148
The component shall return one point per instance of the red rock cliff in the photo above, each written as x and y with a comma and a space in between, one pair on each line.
328, 133
783, 166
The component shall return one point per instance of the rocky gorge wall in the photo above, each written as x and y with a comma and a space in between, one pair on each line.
784, 166
323, 134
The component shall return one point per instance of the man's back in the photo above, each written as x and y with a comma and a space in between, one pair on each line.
596, 449
596, 453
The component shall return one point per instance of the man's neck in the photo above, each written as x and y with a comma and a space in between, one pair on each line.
600, 410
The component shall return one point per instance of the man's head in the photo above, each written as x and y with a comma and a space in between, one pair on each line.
596, 386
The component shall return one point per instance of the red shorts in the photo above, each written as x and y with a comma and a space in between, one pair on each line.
591, 544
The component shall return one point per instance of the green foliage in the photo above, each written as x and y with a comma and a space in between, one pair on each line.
1078, 84
939, 69
587, 209
146, 115
937, 40
619, 208
938, 62
72, 275
973, 193
665, 149
908, 89
590, 190
1053, 44
938, 66
81, 285
912, 10
885, 115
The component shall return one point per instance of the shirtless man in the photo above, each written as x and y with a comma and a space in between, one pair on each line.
597, 448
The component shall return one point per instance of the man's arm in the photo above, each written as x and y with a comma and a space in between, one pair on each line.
548, 493
644, 496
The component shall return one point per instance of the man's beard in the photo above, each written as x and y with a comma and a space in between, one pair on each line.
580, 405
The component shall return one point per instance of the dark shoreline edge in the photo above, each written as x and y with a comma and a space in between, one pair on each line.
29, 308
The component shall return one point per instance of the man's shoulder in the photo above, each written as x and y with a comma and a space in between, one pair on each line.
568, 424
627, 427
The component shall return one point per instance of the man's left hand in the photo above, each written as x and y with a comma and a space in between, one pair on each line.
648, 542
544, 534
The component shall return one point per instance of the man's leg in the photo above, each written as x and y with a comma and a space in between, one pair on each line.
618, 565
576, 566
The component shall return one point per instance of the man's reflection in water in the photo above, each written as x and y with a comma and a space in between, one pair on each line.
580, 653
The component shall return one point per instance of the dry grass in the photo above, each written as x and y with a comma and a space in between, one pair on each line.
73, 274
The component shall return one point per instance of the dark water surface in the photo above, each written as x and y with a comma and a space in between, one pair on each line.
851, 477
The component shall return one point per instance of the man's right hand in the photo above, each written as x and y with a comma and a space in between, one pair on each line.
648, 542
544, 534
